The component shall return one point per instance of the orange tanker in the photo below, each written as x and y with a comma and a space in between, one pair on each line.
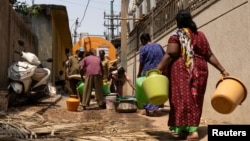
96, 43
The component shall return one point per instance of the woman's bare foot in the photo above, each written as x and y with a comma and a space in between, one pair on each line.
193, 136
143, 112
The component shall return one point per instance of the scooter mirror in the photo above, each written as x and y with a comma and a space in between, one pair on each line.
18, 52
49, 60
20, 42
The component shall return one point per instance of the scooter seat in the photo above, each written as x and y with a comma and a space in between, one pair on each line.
39, 74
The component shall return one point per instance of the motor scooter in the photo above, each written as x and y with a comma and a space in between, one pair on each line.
28, 79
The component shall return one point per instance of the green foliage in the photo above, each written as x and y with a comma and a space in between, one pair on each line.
25, 9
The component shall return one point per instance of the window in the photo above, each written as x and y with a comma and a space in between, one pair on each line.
103, 48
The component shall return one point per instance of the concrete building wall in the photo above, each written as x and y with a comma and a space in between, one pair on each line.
226, 25
227, 31
47, 35
42, 27
12, 28
52, 29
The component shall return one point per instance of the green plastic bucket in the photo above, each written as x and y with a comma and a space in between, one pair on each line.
106, 89
80, 88
140, 95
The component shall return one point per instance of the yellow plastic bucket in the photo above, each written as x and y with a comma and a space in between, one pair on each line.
156, 87
230, 92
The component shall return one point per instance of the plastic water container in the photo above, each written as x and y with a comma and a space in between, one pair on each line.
230, 92
156, 87
80, 88
106, 88
109, 100
72, 103
140, 95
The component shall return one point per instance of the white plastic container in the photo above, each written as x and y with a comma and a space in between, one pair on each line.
109, 100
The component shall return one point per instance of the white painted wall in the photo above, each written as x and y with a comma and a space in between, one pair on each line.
226, 25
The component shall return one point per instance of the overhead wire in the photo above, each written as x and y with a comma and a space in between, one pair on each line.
75, 3
70, 2
84, 13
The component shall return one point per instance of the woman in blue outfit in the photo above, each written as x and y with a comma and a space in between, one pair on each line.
150, 56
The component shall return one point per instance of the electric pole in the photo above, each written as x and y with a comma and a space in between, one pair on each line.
75, 30
112, 20
124, 8
109, 23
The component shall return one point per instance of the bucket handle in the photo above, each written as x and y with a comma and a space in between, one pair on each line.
225, 77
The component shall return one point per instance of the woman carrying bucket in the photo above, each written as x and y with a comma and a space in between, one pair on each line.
150, 55
186, 59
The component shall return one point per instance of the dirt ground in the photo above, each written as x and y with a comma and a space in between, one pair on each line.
51, 121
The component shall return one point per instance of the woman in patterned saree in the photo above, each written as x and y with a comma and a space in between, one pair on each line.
186, 60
